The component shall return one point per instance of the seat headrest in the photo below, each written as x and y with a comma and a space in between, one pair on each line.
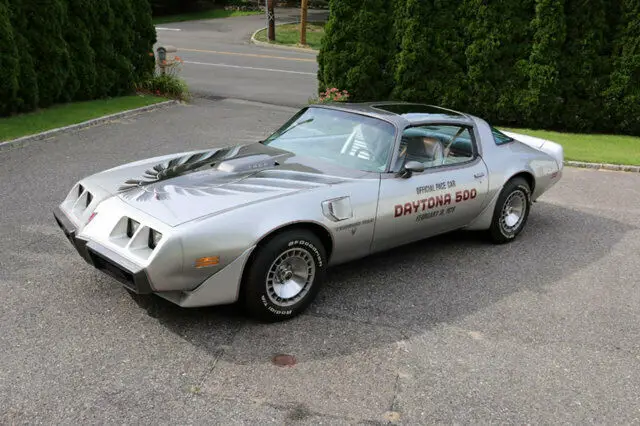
422, 146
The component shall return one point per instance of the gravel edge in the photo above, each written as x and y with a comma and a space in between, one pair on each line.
603, 166
14, 143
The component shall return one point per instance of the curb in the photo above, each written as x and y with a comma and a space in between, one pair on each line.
14, 143
280, 46
603, 166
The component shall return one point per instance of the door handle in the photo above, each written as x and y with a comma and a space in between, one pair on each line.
478, 175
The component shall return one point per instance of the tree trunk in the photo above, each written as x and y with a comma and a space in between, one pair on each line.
303, 22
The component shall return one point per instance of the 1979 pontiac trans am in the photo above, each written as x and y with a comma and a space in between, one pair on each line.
260, 223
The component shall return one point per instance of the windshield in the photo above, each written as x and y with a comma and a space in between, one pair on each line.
347, 139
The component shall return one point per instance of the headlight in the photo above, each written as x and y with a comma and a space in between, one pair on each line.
154, 238
132, 227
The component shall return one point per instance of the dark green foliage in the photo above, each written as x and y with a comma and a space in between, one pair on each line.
83, 75
144, 39
48, 48
556, 64
103, 47
585, 64
123, 40
355, 51
168, 85
27, 96
622, 97
57, 51
430, 64
543, 101
497, 49
8, 61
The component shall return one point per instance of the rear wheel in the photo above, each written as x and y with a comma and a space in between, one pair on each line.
284, 276
511, 211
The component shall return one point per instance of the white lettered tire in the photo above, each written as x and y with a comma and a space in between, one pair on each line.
284, 275
511, 211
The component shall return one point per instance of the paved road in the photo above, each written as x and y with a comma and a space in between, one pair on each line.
221, 61
544, 330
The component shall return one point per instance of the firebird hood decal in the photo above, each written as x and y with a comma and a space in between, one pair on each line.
180, 188
176, 167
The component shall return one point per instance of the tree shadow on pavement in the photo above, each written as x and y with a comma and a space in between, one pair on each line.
391, 296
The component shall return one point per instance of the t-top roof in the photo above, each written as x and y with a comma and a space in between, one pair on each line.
397, 111
407, 108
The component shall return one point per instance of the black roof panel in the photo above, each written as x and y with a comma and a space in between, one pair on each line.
408, 108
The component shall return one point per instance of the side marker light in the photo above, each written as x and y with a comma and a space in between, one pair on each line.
204, 262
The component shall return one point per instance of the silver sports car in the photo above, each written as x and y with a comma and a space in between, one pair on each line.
260, 223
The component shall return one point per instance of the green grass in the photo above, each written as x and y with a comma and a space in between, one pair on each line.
592, 148
289, 34
67, 114
207, 14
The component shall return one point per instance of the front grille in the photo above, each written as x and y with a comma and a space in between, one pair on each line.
115, 271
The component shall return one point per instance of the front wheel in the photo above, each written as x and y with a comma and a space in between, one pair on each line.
511, 211
284, 276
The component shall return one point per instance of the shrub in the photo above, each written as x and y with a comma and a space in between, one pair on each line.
83, 74
498, 37
102, 24
622, 97
123, 40
47, 47
167, 83
27, 94
8, 62
557, 64
355, 49
429, 66
543, 100
143, 41
62, 50
584, 66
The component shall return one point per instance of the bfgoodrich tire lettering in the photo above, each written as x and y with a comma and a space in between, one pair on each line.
284, 276
511, 211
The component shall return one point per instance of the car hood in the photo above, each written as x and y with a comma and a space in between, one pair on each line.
179, 188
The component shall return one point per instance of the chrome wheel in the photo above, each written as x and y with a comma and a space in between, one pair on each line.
290, 277
513, 211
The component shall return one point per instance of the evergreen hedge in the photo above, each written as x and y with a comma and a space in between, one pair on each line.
570, 65
65, 50
355, 56
8, 61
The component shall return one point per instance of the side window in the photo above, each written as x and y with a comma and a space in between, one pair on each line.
436, 145
500, 137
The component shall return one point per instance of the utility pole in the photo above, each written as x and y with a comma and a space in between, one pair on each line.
303, 22
271, 21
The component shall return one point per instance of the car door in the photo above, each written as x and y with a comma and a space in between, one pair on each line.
447, 195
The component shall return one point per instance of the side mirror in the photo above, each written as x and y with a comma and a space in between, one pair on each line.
410, 168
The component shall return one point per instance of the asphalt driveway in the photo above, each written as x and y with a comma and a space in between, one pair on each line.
543, 330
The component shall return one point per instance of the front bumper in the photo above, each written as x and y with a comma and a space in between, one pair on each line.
218, 289
111, 263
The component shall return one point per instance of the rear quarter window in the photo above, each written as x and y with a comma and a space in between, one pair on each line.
499, 137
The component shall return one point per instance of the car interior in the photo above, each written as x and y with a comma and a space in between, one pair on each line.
436, 145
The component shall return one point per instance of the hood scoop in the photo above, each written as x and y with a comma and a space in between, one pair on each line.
247, 164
